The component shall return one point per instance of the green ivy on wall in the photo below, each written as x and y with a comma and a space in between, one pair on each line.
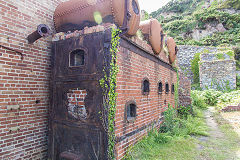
176, 94
108, 84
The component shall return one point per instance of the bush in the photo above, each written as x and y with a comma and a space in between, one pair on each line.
238, 82
226, 99
183, 111
180, 125
170, 116
211, 96
196, 126
161, 137
195, 67
198, 100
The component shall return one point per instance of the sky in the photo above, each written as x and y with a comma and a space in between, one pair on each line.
152, 5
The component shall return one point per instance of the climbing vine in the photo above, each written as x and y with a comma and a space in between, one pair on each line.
108, 84
176, 87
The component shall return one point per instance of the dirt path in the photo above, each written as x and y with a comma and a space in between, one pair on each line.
219, 145
212, 124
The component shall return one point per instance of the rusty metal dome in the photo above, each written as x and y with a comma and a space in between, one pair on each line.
77, 14
152, 31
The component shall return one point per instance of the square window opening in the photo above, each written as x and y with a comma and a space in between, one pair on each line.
77, 58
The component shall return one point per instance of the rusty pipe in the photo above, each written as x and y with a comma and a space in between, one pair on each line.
42, 31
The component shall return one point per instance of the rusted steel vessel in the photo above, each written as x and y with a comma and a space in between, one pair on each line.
152, 32
77, 14
170, 47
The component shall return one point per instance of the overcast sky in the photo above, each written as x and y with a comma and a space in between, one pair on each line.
152, 5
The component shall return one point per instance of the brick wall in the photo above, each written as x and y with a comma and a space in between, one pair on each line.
133, 69
24, 79
76, 105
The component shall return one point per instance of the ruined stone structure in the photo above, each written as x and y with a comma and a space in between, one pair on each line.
217, 73
213, 66
186, 55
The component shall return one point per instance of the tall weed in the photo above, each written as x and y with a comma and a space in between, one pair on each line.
198, 99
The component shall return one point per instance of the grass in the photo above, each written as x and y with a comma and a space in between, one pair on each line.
174, 142
223, 148
179, 137
177, 148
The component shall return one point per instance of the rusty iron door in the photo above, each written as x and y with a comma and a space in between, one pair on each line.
75, 128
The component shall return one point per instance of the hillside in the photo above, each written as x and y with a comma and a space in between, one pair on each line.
201, 22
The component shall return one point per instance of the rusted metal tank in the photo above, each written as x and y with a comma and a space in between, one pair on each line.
172, 48
152, 31
77, 14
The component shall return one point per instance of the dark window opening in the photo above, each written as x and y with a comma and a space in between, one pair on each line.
77, 58
131, 110
146, 86
135, 7
166, 88
38, 101
160, 88
173, 89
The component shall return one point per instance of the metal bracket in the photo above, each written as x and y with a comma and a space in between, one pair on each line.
42, 31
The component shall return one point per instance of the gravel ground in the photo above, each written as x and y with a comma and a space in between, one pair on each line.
234, 119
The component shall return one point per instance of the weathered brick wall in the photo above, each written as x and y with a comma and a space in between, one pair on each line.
24, 79
133, 68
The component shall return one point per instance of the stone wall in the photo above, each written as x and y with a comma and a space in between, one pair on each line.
184, 90
185, 56
217, 73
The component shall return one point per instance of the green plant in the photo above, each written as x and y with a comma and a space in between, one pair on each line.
231, 4
228, 99
190, 14
238, 82
223, 86
230, 53
211, 96
196, 126
196, 86
237, 57
169, 120
161, 138
195, 67
198, 100
184, 111
220, 56
176, 87
108, 84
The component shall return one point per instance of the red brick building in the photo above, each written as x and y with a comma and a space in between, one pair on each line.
138, 63
145, 88
24, 79
25, 76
